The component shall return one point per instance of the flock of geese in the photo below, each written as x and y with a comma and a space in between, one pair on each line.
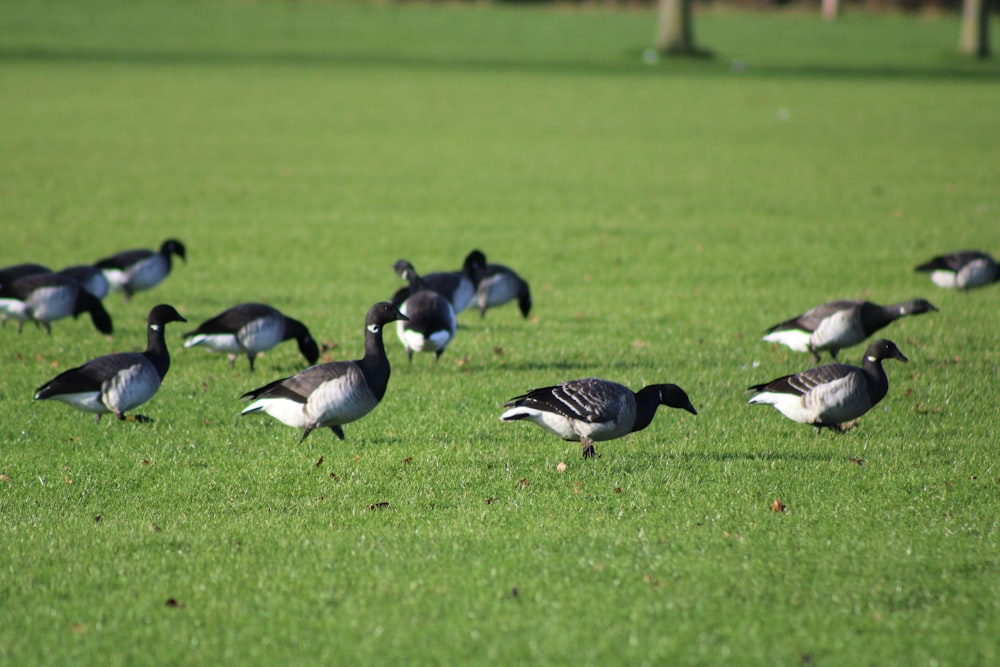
333, 394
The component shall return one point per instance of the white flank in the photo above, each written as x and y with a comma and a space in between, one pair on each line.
14, 308
497, 290
131, 386
789, 405
116, 279
150, 272
288, 412
88, 401
215, 342
794, 339
550, 421
976, 273
48, 304
944, 279
340, 401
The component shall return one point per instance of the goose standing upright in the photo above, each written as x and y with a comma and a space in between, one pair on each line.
498, 285
132, 271
591, 409
430, 319
839, 324
459, 287
46, 297
827, 396
332, 394
962, 270
116, 383
251, 328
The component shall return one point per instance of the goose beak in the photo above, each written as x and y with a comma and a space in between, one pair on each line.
899, 355
690, 408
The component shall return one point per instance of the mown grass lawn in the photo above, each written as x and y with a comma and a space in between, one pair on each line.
665, 216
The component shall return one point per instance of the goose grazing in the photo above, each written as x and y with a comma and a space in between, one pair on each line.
251, 328
335, 393
116, 383
132, 271
430, 319
46, 297
90, 278
459, 287
499, 284
839, 324
827, 396
591, 410
962, 270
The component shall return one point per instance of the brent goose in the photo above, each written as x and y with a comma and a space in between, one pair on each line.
459, 287
430, 319
118, 382
827, 396
591, 409
499, 284
46, 297
334, 393
90, 278
251, 328
839, 324
132, 271
962, 270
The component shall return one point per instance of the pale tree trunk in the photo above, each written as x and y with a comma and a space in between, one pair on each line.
831, 8
675, 34
975, 36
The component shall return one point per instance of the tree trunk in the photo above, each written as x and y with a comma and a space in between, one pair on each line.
975, 36
675, 35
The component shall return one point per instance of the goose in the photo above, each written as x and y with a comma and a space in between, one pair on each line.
116, 383
962, 270
459, 287
251, 328
499, 284
591, 409
132, 271
430, 319
839, 324
11, 273
90, 278
827, 396
46, 297
334, 393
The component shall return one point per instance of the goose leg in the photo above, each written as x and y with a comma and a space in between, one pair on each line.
251, 356
588, 448
338, 430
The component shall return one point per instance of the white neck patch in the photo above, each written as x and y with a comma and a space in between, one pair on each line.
871, 359
154, 327
374, 328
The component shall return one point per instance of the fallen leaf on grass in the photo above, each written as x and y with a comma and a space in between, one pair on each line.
777, 506
523, 482
560, 467
172, 602
4, 477
379, 506
859, 461
98, 518
320, 461
618, 489
334, 477
408, 459
491, 500
78, 628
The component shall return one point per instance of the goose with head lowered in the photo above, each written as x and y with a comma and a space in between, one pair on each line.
43, 298
498, 285
90, 278
964, 269
116, 383
839, 324
430, 320
332, 394
458, 287
13, 272
591, 409
251, 328
132, 271
827, 396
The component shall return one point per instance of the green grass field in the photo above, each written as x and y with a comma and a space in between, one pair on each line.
665, 216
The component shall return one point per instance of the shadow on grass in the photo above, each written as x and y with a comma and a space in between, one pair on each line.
632, 65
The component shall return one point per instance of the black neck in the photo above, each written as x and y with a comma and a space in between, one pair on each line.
156, 349
375, 365
646, 402
878, 381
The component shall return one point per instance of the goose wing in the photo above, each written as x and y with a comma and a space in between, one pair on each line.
811, 319
589, 400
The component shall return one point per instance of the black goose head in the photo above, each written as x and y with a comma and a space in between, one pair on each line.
381, 314
474, 265
175, 247
161, 315
307, 344
524, 299
673, 396
85, 301
883, 349
406, 271
916, 307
